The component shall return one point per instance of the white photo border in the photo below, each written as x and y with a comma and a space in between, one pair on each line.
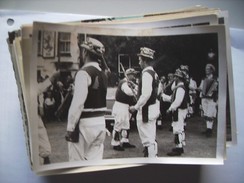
221, 132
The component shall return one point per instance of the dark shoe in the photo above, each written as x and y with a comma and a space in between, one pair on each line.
209, 133
128, 145
46, 161
176, 152
118, 148
181, 150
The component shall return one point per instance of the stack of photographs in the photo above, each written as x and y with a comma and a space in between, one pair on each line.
136, 90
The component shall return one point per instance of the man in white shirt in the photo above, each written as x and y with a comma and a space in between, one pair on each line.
125, 96
147, 104
209, 91
178, 108
86, 123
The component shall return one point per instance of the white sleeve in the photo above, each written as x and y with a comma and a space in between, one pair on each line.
160, 88
180, 93
82, 81
145, 91
166, 98
200, 89
126, 89
193, 85
41, 87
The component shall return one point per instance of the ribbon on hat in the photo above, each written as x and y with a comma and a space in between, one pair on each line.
94, 46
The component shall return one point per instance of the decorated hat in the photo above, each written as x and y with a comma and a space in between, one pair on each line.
210, 66
130, 71
179, 73
146, 52
184, 68
94, 46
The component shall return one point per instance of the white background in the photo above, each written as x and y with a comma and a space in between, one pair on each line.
14, 164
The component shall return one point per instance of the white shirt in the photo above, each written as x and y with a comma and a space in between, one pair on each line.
192, 86
42, 87
82, 82
210, 76
161, 87
179, 96
146, 89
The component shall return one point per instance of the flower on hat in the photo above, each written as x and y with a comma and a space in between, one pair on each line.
130, 71
146, 52
179, 73
94, 46
184, 68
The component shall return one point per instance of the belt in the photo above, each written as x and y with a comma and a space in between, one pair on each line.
92, 114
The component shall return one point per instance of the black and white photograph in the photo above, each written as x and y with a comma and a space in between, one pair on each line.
117, 96
220, 17
122, 91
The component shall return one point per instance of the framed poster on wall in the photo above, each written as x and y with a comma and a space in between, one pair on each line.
48, 42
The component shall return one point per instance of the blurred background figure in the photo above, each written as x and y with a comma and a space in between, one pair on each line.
178, 108
209, 96
161, 87
192, 96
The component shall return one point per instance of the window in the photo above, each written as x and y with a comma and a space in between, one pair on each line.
124, 62
64, 44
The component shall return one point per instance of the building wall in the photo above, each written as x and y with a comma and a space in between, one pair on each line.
48, 63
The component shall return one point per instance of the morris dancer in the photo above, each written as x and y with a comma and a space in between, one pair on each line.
124, 98
147, 104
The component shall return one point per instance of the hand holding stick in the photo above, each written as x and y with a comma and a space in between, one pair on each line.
129, 82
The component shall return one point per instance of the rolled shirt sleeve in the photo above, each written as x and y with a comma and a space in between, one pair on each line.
166, 98
126, 89
160, 88
82, 81
192, 85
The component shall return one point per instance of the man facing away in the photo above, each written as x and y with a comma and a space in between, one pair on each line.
86, 123
147, 104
